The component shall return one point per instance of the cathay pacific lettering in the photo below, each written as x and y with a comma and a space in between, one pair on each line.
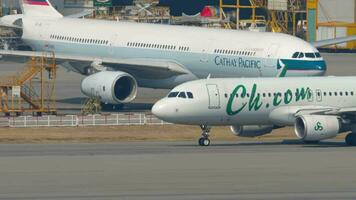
240, 62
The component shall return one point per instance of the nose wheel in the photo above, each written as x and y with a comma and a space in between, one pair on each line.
350, 139
204, 140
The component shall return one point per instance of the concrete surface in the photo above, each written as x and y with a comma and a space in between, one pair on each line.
180, 170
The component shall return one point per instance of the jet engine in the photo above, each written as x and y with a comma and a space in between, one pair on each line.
114, 87
251, 131
317, 127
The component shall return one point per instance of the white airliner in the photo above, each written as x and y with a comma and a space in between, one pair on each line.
318, 107
128, 55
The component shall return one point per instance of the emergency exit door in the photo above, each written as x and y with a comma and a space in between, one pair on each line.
214, 96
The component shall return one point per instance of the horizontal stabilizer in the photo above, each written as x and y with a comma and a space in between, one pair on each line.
81, 14
323, 43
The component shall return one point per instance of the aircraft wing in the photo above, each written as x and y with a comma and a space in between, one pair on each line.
323, 43
327, 111
144, 67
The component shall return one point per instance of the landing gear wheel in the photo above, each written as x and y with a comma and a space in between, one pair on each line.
350, 139
204, 140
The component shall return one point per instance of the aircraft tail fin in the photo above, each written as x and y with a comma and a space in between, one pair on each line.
39, 8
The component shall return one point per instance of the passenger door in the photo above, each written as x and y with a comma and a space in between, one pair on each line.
319, 95
214, 96
113, 41
271, 56
204, 56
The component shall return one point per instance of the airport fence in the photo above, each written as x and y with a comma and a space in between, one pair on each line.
80, 120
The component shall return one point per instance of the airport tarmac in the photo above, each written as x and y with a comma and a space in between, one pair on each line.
178, 170
70, 97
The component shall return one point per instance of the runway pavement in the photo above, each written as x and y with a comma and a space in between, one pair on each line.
178, 170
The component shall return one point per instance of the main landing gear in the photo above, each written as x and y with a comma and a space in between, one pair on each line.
204, 140
351, 139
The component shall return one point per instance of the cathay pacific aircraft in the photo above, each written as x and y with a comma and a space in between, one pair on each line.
118, 57
319, 108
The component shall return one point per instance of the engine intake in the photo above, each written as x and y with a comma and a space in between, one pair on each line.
316, 127
112, 87
251, 131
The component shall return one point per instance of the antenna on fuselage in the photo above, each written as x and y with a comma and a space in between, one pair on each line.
209, 76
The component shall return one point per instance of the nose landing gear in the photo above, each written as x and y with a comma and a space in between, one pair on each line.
204, 140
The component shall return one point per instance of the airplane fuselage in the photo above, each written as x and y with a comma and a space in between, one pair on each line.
202, 51
259, 101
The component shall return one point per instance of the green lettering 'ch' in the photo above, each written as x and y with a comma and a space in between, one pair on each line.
254, 102
229, 110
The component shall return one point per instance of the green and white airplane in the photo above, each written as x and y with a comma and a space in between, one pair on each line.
319, 108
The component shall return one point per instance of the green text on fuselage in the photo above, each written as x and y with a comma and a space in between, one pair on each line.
255, 102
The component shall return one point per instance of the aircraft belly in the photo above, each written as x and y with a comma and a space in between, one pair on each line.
253, 118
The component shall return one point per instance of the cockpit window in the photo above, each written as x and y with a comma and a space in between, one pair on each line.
310, 55
182, 95
295, 55
190, 95
173, 94
301, 55
317, 55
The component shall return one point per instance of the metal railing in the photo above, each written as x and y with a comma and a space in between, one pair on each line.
79, 120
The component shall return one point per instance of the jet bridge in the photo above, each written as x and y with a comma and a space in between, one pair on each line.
32, 90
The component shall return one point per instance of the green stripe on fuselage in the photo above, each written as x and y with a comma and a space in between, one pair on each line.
305, 64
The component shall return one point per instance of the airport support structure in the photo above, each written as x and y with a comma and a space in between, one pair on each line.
312, 8
281, 15
32, 90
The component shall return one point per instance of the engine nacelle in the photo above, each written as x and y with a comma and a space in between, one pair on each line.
112, 87
316, 127
251, 131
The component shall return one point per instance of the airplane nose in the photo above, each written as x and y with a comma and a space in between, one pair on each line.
158, 109
321, 67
